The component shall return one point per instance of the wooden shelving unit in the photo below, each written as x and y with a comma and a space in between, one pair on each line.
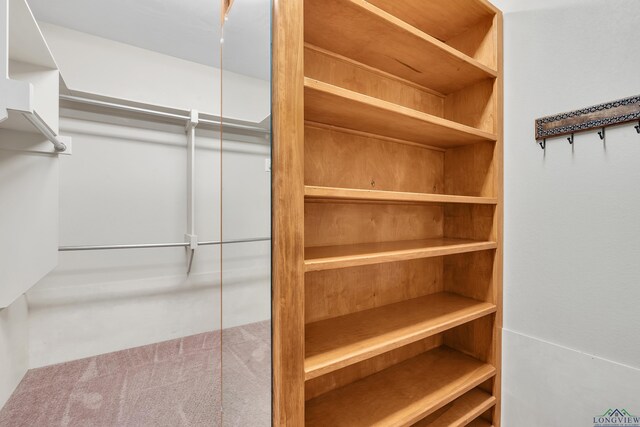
387, 220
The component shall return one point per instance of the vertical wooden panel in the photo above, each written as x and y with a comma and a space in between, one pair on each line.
471, 275
339, 159
473, 338
328, 224
288, 214
470, 222
473, 106
343, 72
353, 373
333, 293
470, 170
478, 42
499, 218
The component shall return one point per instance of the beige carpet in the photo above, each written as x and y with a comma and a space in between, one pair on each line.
173, 383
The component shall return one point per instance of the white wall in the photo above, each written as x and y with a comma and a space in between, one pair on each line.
126, 183
28, 225
102, 67
572, 235
13, 347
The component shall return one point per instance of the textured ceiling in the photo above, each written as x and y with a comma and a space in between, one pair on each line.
187, 29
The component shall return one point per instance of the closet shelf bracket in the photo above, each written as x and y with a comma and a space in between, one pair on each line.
191, 236
37, 122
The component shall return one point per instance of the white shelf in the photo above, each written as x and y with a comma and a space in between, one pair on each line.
29, 85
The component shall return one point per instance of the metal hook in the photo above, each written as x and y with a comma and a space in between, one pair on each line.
570, 139
601, 134
543, 143
638, 127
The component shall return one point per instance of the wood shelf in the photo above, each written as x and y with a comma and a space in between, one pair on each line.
358, 30
464, 411
442, 20
352, 194
402, 394
332, 105
479, 423
342, 341
332, 257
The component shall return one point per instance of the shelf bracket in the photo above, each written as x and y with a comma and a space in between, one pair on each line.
17, 101
190, 236
44, 129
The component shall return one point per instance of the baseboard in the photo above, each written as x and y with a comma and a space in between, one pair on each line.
546, 384
69, 323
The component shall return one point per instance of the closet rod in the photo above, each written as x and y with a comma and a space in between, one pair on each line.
157, 245
157, 113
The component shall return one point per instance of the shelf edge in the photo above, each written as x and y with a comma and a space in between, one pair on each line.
313, 192
392, 256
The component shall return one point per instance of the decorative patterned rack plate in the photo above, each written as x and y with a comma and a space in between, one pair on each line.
599, 116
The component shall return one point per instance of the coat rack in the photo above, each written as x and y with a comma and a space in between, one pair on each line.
596, 117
